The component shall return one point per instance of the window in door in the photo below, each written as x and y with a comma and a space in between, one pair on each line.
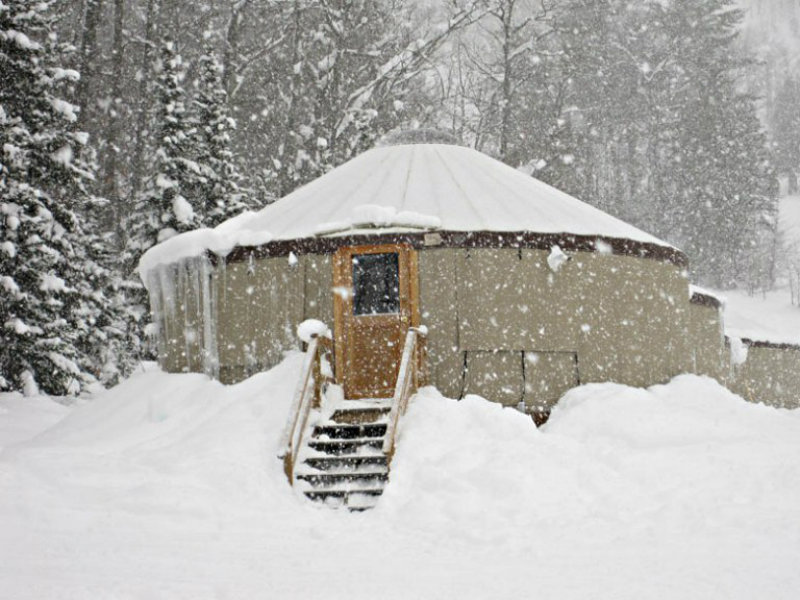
376, 284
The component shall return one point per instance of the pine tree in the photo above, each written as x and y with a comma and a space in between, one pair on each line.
169, 205
725, 185
53, 309
220, 195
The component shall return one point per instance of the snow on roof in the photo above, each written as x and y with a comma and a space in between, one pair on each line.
412, 186
769, 317
462, 188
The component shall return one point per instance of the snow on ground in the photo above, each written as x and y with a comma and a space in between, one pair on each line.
767, 317
22, 418
168, 487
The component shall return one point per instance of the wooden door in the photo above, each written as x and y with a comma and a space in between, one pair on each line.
375, 301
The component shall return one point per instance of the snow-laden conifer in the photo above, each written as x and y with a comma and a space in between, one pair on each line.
55, 320
219, 192
168, 205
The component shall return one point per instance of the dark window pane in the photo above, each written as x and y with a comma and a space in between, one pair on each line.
376, 284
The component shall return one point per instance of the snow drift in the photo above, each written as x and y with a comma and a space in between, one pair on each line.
168, 487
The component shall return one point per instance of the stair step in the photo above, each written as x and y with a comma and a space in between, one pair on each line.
357, 416
332, 480
325, 495
361, 446
349, 431
367, 469
361, 502
334, 463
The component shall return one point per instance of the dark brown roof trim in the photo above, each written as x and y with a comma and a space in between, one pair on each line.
462, 239
770, 345
705, 300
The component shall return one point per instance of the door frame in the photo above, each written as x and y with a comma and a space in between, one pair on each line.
343, 293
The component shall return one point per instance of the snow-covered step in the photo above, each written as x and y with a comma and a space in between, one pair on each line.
351, 463
357, 501
338, 480
359, 447
339, 431
355, 416
342, 495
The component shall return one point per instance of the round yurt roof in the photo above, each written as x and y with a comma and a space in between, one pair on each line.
432, 186
410, 188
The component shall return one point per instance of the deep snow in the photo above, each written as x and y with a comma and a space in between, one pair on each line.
168, 487
769, 316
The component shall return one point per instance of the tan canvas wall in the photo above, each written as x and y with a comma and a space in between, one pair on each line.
439, 313
318, 290
769, 375
707, 339
548, 376
625, 317
496, 376
634, 316
259, 306
501, 324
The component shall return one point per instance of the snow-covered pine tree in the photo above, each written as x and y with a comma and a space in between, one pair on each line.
54, 315
725, 186
219, 191
168, 204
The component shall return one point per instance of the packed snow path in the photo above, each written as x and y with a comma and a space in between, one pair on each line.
167, 487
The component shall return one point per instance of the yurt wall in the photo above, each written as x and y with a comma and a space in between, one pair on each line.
259, 304
771, 374
502, 323
707, 338
527, 332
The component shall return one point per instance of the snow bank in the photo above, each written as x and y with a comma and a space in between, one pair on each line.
22, 418
769, 317
168, 487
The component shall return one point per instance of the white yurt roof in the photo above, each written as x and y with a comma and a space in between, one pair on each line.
408, 187
458, 188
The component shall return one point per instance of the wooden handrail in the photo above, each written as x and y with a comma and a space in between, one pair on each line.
307, 395
410, 377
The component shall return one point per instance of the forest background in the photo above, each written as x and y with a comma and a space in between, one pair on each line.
125, 122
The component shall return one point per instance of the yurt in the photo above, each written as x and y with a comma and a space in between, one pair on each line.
523, 291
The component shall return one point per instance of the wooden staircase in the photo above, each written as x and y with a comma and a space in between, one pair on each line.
344, 460
343, 463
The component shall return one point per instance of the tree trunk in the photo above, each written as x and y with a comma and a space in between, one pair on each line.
110, 186
231, 54
144, 101
94, 12
505, 100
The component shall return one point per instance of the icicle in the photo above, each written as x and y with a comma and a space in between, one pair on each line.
209, 299
166, 282
183, 296
158, 330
